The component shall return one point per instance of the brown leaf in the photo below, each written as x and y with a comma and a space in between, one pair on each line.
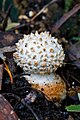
74, 54
6, 110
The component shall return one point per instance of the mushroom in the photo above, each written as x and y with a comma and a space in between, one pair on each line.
41, 55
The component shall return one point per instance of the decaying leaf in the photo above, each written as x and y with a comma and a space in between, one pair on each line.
74, 54
6, 110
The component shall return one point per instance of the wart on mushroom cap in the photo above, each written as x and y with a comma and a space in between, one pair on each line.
41, 55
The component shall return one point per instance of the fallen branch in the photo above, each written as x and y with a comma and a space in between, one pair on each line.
64, 18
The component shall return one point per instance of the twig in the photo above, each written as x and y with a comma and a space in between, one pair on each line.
41, 11
64, 18
47, 5
1, 75
4, 23
74, 78
29, 107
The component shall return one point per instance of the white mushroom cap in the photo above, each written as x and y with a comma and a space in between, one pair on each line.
39, 53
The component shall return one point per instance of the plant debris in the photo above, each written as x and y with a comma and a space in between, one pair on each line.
74, 54
64, 18
1, 75
6, 110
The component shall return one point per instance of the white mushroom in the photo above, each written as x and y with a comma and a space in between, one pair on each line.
41, 55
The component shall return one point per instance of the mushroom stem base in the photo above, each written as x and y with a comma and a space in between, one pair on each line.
50, 84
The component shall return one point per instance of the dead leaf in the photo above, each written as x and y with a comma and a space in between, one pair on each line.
6, 110
74, 54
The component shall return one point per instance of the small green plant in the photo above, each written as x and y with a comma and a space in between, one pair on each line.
73, 108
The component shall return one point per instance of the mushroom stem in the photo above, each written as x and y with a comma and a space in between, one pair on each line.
41, 78
51, 85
